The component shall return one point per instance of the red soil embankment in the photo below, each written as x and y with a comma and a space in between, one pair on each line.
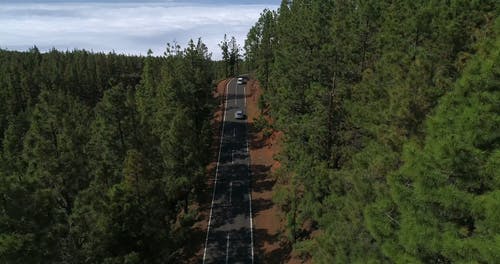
271, 245
268, 225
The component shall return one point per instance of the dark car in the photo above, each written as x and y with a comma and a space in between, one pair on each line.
239, 114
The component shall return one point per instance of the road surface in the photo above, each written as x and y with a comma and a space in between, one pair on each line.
230, 228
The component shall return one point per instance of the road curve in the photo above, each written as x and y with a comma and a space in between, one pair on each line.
230, 227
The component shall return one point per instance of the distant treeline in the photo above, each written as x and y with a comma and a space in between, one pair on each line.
391, 116
102, 154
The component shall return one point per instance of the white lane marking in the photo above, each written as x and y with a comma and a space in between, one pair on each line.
232, 157
245, 94
227, 249
250, 201
216, 172
230, 191
234, 132
249, 173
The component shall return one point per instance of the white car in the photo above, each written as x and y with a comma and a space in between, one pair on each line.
241, 80
239, 114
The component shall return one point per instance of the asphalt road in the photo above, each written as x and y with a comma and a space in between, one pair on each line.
230, 233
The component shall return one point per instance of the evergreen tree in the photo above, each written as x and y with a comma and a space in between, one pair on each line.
224, 45
44, 193
115, 130
447, 191
84, 172
350, 83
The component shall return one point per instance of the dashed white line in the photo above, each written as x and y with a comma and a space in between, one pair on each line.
250, 178
215, 183
230, 191
250, 201
227, 249
216, 172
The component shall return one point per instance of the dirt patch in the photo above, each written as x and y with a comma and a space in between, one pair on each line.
193, 252
270, 243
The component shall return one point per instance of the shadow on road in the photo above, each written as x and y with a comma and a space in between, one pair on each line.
269, 244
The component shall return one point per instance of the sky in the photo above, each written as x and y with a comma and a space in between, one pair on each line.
125, 26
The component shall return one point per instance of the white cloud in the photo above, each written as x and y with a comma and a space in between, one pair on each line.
130, 28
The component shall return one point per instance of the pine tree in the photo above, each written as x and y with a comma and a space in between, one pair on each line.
115, 130
350, 83
447, 190
44, 194
224, 45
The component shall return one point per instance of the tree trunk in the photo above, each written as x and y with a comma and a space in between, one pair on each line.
186, 203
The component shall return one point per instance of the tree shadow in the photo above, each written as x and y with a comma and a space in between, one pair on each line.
256, 142
259, 205
278, 255
263, 238
191, 250
261, 181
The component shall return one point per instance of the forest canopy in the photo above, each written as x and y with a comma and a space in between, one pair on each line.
390, 111
391, 150
101, 154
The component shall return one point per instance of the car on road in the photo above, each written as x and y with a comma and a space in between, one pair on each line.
242, 80
239, 114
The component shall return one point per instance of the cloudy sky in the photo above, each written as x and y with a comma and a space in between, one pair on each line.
125, 26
